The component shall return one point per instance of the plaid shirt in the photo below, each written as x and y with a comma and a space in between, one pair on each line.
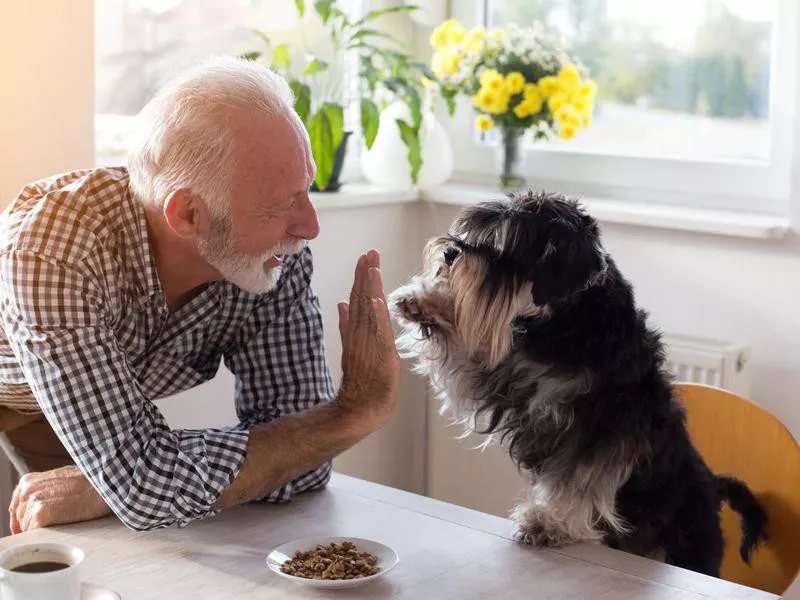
85, 325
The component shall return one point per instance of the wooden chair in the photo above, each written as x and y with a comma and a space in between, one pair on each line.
737, 437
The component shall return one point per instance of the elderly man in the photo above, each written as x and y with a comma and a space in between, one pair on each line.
121, 286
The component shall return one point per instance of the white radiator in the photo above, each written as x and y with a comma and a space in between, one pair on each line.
721, 364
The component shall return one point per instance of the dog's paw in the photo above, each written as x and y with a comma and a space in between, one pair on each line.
532, 536
406, 307
537, 535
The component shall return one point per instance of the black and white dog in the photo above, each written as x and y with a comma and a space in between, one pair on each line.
523, 322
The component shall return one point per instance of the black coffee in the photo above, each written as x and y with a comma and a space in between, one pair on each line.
40, 567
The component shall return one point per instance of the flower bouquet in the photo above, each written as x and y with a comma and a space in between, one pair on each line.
519, 80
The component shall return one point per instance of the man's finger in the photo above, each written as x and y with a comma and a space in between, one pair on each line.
344, 318
383, 320
13, 522
15, 505
358, 284
375, 283
373, 258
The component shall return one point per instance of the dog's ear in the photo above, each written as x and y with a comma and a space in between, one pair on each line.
571, 260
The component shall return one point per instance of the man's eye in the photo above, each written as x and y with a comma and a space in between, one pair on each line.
450, 255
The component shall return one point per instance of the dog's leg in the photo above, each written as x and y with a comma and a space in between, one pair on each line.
555, 520
538, 527
579, 508
694, 540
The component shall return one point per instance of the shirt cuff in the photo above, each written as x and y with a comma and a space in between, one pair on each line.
222, 451
312, 480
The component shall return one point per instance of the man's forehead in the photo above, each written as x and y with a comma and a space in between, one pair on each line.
272, 156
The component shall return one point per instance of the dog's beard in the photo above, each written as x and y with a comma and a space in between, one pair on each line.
456, 328
247, 272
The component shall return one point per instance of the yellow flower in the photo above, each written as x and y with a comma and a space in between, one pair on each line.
583, 105
535, 103
515, 82
568, 115
456, 34
483, 100
548, 86
531, 105
556, 101
570, 76
438, 38
490, 78
531, 90
484, 123
567, 132
445, 62
497, 85
588, 89
499, 35
490, 101
523, 110
475, 39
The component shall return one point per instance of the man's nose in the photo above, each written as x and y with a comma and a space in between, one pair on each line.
305, 223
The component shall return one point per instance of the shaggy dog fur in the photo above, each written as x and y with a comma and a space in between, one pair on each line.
523, 322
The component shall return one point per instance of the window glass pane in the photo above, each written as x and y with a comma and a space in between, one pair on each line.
139, 43
686, 79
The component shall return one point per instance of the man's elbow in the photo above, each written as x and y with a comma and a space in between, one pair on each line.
136, 520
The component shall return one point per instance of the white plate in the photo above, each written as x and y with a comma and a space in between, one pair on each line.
387, 559
92, 591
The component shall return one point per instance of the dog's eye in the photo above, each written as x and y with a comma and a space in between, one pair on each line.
450, 255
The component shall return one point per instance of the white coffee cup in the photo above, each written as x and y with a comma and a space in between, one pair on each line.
26, 575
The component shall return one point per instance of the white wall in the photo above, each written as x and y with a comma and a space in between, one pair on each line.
46, 92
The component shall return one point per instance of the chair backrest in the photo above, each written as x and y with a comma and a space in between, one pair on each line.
736, 437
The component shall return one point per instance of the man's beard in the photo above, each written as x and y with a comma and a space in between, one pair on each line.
242, 270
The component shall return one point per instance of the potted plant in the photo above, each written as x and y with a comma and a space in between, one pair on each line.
322, 107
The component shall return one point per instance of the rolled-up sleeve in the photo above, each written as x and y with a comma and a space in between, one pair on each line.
61, 330
280, 361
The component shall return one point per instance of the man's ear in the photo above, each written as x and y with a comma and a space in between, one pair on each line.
186, 214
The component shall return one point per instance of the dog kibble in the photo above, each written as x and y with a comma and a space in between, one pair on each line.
334, 561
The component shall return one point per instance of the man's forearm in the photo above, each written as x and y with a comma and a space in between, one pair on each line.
284, 449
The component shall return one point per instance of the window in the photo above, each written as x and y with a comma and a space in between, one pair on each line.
139, 43
696, 97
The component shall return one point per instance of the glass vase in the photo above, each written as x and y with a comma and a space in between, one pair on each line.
510, 155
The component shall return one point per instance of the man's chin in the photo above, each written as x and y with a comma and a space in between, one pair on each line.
262, 285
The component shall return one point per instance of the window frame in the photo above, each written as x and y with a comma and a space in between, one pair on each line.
718, 184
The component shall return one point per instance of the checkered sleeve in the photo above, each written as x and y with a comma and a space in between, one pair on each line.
280, 361
60, 328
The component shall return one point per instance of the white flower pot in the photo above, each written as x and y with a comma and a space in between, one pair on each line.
386, 163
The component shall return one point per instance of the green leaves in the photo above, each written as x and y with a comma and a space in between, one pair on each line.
281, 58
264, 37
410, 137
300, 5
314, 65
369, 121
449, 95
374, 14
302, 100
325, 130
323, 8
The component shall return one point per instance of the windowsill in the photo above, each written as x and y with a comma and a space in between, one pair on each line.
362, 194
642, 214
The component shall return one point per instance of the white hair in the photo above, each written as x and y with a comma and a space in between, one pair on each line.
182, 140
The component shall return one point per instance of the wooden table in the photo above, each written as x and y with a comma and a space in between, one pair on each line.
445, 552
